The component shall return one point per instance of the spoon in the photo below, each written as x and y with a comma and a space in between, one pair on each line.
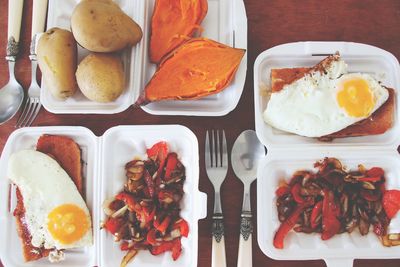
12, 94
245, 155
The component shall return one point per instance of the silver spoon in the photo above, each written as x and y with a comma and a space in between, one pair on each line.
245, 155
12, 94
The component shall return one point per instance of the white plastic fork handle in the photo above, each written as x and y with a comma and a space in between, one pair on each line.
14, 18
38, 16
245, 252
218, 253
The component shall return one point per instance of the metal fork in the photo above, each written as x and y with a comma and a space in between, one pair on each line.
33, 104
216, 161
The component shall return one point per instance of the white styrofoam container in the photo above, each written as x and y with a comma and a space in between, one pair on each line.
360, 58
104, 159
342, 249
26, 138
288, 153
59, 14
225, 22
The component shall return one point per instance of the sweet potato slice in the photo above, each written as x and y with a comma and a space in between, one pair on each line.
172, 23
197, 68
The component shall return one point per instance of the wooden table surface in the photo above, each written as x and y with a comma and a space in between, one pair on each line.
270, 23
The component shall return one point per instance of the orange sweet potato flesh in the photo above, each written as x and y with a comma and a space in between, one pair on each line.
172, 23
197, 68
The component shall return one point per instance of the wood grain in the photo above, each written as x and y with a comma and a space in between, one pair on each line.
271, 22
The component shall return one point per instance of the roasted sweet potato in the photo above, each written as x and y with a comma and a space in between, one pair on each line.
172, 23
197, 68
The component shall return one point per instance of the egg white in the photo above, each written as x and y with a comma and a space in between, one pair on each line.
308, 106
44, 185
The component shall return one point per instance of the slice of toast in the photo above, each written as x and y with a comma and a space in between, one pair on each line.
282, 77
30, 252
379, 122
68, 154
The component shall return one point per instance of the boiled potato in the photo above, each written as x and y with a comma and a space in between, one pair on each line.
57, 58
101, 77
101, 26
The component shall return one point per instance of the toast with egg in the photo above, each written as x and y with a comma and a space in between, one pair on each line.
377, 123
68, 154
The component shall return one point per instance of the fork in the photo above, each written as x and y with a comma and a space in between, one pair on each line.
216, 161
33, 104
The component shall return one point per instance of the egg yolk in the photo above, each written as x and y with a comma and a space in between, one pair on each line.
68, 223
356, 98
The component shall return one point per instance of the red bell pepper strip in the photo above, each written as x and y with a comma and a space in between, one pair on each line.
391, 202
174, 245
183, 227
162, 227
129, 200
160, 148
372, 179
282, 190
151, 237
113, 225
370, 195
176, 248
149, 182
146, 215
296, 194
287, 225
158, 153
163, 247
330, 212
172, 161
125, 246
375, 172
316, 211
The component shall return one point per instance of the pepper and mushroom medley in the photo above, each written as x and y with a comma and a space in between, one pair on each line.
332, 201
145, 215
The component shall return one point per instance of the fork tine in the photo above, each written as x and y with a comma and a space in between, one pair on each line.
35, 113
23, 114
212, 148
28, 114
218, 152
224, 150
29, 106
207, 148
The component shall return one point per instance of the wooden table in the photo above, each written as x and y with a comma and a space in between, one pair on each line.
270, 22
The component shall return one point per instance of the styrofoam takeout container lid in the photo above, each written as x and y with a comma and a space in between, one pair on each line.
226, 22
342, 249
360, 58
104, 159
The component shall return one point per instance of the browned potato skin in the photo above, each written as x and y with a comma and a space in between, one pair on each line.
101, 26
57, 58
101, 77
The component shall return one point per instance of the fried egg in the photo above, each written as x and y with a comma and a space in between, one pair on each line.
324, 102
55, 213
